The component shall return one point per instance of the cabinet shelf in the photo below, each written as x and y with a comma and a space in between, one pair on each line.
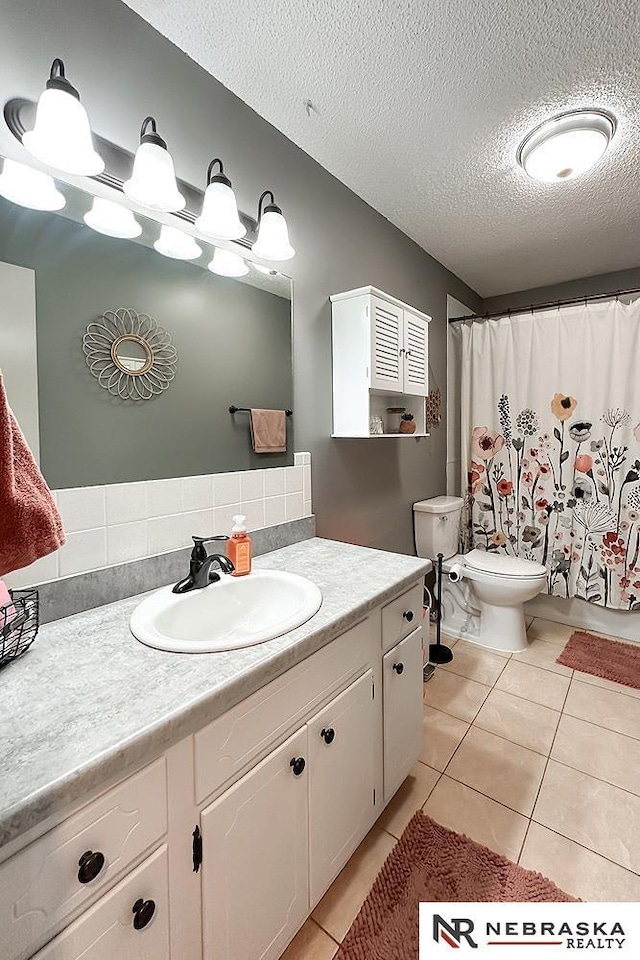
380, 436
380, 361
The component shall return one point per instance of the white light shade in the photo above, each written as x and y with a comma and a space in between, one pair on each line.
228, 264
29, 188
61, 136
177, 245
273, 237
219, 219
112, 220
153, 181
567, 146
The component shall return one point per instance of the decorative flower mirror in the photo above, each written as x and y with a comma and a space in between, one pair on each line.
130, 354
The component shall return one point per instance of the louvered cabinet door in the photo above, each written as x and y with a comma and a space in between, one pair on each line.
415, 355
386, 346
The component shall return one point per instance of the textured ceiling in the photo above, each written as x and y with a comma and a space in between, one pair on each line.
420, 107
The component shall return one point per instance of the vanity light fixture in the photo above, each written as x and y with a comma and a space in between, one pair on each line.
29, 188
61, 136
153, 181
112, 220
228, 264
219, 219
177, 245
567, 145
272, 242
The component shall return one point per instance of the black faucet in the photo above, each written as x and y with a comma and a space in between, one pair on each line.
200, 572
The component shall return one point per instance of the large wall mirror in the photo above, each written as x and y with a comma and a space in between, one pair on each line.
229, 343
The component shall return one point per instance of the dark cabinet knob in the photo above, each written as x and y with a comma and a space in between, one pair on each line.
297, 765
143, 911
90, 864
328, 735
399, 668
408, 615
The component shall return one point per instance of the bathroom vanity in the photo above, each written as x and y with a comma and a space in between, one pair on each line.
196, 807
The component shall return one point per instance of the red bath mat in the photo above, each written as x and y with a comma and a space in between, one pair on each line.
431, 862
609, 659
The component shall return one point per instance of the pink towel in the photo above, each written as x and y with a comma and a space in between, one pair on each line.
30, 525
268, 431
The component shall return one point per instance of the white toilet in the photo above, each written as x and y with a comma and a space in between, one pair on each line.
482, 593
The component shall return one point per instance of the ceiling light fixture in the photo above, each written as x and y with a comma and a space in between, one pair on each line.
177, 245
112, 220
153, 181
228, 264
273, 236
219, 219
29, 188
566, 146
61, 136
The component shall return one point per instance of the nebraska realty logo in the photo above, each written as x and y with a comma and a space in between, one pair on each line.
545, 929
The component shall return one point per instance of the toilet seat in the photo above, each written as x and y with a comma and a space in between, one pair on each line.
501, 566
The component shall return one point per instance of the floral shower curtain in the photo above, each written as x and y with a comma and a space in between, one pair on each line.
551, 445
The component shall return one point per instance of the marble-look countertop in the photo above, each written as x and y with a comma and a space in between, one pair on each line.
88, 702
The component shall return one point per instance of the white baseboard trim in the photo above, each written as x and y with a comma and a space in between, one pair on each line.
579, 613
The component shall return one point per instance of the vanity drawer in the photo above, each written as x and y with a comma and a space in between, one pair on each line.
107, 932
233, 741
50, 879
401, 616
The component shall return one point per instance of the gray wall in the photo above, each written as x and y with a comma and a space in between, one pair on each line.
586, 287
363, 489
233, 343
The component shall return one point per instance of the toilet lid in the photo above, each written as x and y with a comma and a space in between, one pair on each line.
502, 565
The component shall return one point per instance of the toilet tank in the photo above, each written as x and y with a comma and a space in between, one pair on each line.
437, 524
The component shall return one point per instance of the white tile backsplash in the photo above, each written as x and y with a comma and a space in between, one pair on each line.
197, 493
127, 541
294, 506
166, 533
85, 550
164, 497
226, 489
254, 513
274, 481
128, 521
126, 502
82, 508
293, 480
251, 485
274, 511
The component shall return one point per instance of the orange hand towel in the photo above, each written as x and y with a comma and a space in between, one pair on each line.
268, 431
30, 525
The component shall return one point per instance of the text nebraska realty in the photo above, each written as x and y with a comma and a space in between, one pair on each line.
576, 936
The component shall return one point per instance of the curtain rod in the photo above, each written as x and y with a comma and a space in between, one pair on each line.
546, 306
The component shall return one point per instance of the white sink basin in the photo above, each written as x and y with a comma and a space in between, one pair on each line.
235, 612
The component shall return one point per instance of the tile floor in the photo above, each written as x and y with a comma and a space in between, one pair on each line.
536, 761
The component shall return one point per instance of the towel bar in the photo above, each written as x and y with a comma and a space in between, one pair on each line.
234, 409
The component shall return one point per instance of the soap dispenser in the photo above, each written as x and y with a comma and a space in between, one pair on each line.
239, 547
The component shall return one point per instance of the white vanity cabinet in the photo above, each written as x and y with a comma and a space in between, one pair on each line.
255, 868
221, 848
380, 360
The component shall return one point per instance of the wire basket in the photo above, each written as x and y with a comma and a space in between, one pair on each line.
19, 623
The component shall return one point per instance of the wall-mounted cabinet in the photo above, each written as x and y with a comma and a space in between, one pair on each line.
380, 360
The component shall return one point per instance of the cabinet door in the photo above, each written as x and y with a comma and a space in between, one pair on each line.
386, 346
255, 867
402, 706
342, 779
107, 932
416, 355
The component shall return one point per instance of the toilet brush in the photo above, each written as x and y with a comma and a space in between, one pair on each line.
438, 651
